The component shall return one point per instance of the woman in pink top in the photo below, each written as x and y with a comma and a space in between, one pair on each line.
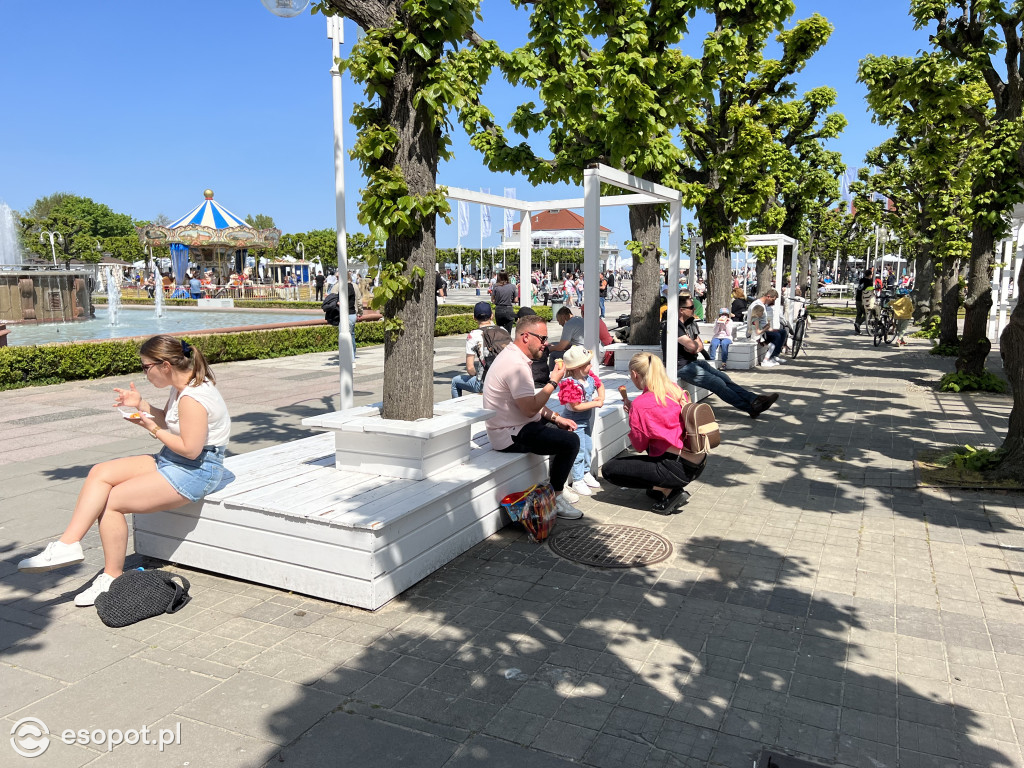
654, 427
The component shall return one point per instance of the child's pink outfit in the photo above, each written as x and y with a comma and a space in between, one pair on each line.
721, 338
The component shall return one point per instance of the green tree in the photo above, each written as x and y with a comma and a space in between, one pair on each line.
986, 34
260, 221
409, 64
81, 222
926, 170
615, 88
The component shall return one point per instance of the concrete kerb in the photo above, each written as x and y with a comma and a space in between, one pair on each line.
815, 604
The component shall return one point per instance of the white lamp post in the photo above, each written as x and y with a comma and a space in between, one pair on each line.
54, 234
346, 350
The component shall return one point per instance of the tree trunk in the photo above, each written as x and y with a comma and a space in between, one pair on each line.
1011, 346
924, 294
950, 302
765, 265
812, 274
408, 353
803, 270
644, 312
975, 346
719, 268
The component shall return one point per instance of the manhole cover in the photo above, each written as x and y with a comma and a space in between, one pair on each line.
611, 546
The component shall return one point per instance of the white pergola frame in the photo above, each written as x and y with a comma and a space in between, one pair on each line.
643, 193
780, 242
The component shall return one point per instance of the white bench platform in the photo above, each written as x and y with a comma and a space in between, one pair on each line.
289, 519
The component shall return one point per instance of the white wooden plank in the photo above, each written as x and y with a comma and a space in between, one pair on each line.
292, 577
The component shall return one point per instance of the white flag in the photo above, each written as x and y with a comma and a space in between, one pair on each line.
485, 216
510, 214
463, 218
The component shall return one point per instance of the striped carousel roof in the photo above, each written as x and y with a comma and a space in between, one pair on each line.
210, 214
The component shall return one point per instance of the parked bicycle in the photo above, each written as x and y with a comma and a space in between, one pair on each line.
797, 327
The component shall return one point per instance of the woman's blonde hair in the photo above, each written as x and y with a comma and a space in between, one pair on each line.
737, 293
654, 378
181, 355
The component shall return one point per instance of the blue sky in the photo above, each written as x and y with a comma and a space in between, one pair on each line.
143, 105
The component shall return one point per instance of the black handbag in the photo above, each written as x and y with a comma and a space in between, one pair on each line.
137, 595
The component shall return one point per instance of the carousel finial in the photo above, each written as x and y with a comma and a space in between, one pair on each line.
208, 194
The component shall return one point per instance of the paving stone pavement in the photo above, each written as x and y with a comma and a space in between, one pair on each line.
817, 602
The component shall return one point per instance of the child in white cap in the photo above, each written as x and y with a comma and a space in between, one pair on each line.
721, 337
581, 393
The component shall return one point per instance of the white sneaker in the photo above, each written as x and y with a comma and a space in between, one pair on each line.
565, 510
88, 596
591, 481
779, 360
581, 488
570, 495
56, 555
768, 363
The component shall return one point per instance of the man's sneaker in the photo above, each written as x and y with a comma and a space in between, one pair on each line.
590, 480
580, 487
762, 403
99, 585
768, 363
564, 508
779, 360
56, 555
571, 496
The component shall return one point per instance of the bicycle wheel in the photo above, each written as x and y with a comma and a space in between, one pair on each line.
623, 294
798, 336
889, 326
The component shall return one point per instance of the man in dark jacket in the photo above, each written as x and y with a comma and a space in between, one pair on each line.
866, 281
694, 369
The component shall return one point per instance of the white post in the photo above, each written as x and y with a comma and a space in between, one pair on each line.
675, 218
346, 350
591, 257
746, 270
525, 261
778, 276
792, 282
525, 244
1004, 287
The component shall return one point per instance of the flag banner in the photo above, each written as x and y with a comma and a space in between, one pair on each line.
510, 214
463, 218
844, 183
485, 216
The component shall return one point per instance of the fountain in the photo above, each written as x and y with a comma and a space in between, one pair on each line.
10, 250
34, 292
113, 294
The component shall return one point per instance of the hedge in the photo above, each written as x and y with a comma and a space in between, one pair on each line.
32, 366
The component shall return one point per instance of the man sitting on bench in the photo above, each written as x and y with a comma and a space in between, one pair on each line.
522, 422
694, 369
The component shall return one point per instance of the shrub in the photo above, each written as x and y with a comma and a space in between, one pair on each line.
970, 458
32, 366
968, 382
930, 330
945, 350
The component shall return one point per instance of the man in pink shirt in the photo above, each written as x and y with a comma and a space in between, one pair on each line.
522, 422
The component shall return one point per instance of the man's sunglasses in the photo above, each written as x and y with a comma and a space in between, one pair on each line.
541, 339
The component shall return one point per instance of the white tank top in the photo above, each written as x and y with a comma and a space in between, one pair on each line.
206, 394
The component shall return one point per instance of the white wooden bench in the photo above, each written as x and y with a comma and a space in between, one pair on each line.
624, 353
287, 518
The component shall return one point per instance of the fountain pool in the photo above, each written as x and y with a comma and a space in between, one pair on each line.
132, 321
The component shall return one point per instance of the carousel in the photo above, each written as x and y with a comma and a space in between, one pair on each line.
212, 238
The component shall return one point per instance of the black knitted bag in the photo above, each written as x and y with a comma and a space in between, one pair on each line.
137, 595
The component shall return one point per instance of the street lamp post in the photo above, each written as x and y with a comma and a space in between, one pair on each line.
54, 234
346, 343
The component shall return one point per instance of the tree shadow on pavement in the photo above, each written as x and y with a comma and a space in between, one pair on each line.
510, 653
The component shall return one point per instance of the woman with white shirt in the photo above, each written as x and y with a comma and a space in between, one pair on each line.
193, 429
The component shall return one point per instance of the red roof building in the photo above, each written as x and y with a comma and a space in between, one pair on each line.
559, 228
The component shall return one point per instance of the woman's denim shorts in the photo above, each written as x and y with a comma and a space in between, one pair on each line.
192, 478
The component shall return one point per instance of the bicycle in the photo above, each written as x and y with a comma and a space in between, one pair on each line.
798, 328
618, 293
885, 320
